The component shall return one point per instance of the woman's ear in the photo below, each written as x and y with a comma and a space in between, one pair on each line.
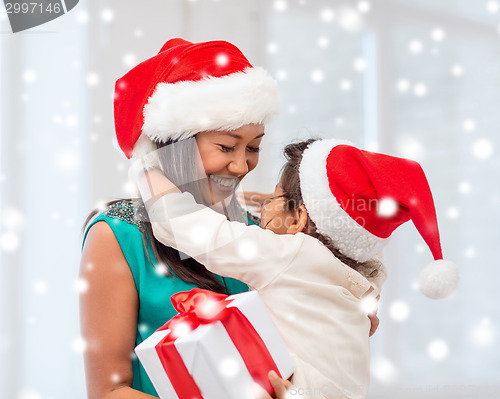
299, 223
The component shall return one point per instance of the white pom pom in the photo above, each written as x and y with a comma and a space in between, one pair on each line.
438, 279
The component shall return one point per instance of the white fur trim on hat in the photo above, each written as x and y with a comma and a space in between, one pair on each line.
180, 110
350, 238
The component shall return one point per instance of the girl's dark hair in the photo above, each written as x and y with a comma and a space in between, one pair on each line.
180, 162
290, 184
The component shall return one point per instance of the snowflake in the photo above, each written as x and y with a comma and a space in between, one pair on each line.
415, 47
387, 207
79, 345
469, 125
483, 333
364, 6
29, 76
403, 85
345, 85
228, 367
464, 187
327, 15
222, 59
82, 17
71, 121
453, 213
359, 64
420, 90
281, 74
9, 241
107, 15
349, 19
129, 60
12, 218
482, 149
457, 70
280, 5
92, 79
438, 34
323, 42
247, 250
68, 160
317, 76
438, 349
492, 7
40, 287
81, 285
384, 370
272, 48
470, 252
399, 311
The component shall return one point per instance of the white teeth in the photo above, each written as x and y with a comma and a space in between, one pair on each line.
225, 182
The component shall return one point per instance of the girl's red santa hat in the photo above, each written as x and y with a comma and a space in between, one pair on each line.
188, 88
358, 198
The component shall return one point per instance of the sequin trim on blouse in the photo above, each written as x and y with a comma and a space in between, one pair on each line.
130, 211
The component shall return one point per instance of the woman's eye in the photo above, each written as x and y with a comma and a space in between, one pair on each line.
226, 149
253, 149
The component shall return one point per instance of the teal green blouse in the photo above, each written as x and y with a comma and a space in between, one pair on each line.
153, 286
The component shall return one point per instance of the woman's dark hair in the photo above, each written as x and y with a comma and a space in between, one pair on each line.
290, 184
180, 162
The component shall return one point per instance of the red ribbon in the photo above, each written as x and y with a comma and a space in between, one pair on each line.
200, 306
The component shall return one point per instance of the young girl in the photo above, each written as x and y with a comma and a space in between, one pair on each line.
313, 262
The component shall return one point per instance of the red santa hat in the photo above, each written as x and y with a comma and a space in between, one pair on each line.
358, 198
188, 88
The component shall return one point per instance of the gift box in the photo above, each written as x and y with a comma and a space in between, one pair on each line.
215, 348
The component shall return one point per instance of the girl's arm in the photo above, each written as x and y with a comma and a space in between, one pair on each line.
247, 253
108, 317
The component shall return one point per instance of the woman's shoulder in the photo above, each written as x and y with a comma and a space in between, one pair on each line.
125, 218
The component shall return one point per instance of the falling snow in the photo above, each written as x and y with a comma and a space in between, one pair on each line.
327, 15
384, 370
364, 6
107, 15
493, 7
483, 334
387, 207
437, 349
482, 149
9, 241
464, 187
399, 311
469, 125
228, 367
317, 76
415, 47
438, 34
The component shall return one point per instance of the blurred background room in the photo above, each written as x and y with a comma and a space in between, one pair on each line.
413, 78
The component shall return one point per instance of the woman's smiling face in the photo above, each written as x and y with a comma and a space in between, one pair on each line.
228, 156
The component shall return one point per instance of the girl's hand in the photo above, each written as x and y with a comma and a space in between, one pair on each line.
374, 320
280, 388
254, 199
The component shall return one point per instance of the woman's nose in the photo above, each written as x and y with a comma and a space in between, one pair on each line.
238, 165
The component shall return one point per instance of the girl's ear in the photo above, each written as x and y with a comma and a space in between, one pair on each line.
299, 223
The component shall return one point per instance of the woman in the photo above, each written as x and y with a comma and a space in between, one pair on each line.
208, 91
